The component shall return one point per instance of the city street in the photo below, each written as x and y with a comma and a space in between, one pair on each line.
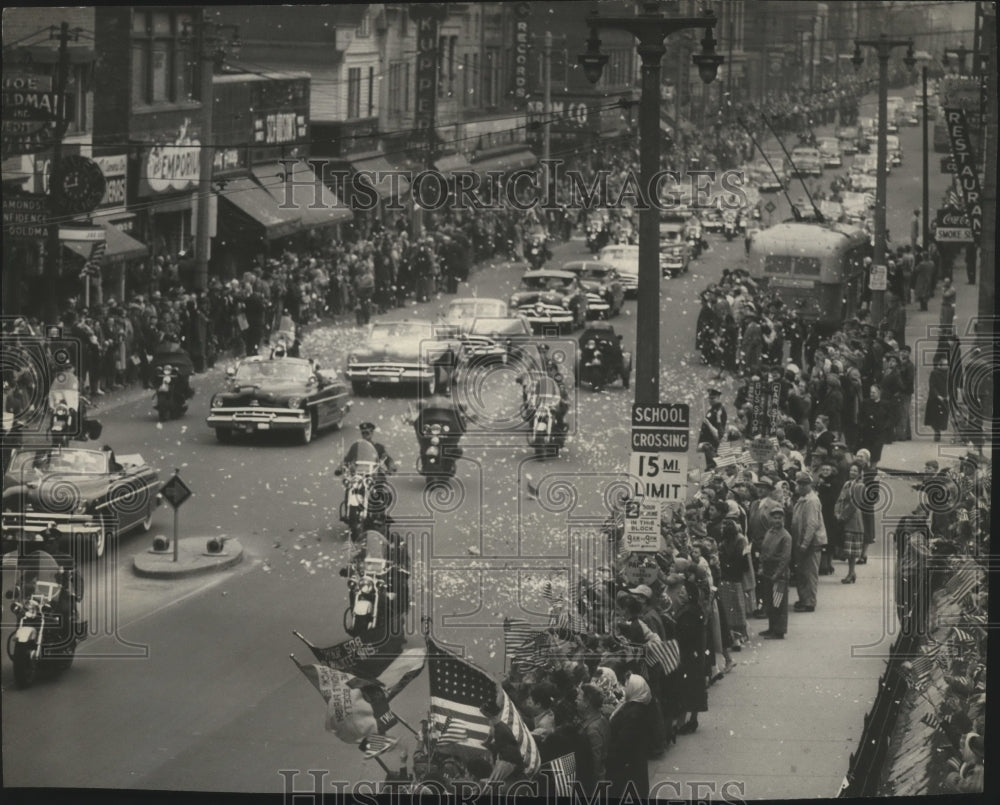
187, 684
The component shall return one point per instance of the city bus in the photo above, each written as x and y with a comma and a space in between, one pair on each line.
818, 268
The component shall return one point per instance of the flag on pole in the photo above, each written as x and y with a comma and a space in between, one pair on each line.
459, 689
524, 645
963, 582
564, 774
931, 720
452, 732
665, 653
563, 620
389, 666
375, 745
919, 672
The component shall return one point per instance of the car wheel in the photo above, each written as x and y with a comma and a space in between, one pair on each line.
306, 434
147, 522
223, 435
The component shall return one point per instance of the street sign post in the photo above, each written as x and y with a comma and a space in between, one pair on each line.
176, 493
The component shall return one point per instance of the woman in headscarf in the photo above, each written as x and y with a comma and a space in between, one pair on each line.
628, 750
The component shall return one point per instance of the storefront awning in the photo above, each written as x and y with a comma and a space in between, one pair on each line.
117, 246
509, 161
454, 163
316, 205
256, 203
377, 164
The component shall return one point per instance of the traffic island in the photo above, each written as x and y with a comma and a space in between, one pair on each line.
194, 557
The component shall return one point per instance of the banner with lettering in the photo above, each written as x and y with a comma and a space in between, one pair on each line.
522, 46
427, 64
966, 173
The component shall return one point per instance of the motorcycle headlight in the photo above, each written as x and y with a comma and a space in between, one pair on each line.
435, 440
446, 428
294, 402
431, 451
435, 429
591, 344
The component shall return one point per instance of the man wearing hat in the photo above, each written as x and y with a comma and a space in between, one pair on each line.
649, 615
808, 541
772, 579
713, 427
367, 431
758, 523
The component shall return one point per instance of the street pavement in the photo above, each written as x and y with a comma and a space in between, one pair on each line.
187, 684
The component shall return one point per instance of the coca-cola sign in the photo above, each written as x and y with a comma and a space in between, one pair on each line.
173, 166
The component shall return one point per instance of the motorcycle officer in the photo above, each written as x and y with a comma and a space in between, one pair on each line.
367, 432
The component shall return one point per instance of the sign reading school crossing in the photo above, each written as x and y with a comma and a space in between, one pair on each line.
662, 428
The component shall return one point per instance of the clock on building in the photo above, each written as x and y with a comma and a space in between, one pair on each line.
76, 185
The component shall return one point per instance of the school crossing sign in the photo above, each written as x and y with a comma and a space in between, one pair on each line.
658, 463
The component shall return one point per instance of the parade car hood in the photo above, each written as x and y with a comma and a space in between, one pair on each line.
387, 351
534, 297
56, 492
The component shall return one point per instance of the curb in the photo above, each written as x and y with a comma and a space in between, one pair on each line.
191, 560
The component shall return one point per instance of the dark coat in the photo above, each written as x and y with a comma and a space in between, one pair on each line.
936, 412
628, 748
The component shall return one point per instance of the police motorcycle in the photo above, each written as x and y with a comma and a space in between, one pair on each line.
365, 496
730, 224
378, 587
439, 426
44, 595
68, 411
172, 368
602, 360
694, 236
536, 247
545, 408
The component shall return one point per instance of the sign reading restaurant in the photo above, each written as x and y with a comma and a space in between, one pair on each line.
172, 166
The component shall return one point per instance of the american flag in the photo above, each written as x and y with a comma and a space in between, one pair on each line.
524, 645
564, 774
962, 637
459, 689
452, 733
375, 745
920, 672
563, 620
666, 654
963, 582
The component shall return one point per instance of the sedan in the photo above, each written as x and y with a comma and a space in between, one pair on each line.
89, 494
605, 291
278, 394
554, 298
462, 312
402, 352
625, 260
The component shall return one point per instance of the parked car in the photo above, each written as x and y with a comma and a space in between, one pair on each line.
863, 182
894, 149
675, 253
398, 353
857, 206
625, 260
760, 175
829, 150
90, 495
549, 297
277, 395
462, 312
806, 161
605, 291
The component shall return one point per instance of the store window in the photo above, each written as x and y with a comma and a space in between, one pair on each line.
353, 92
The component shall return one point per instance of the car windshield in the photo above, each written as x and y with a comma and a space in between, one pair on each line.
804, 152
76, 462
546, 282
500, 326
594, 273
273, 371
829, 142
400, 330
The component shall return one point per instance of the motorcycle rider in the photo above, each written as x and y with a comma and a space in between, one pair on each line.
367, 432
170, 351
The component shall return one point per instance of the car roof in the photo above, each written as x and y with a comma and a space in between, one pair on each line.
549, 272
586, 265
266, 359
477, 299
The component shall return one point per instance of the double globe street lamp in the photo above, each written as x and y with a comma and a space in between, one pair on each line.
650, 30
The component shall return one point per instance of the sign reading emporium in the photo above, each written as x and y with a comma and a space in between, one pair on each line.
173, 166
966, 174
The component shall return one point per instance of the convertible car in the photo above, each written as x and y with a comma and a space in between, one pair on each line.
461, 313
90, 495
277, 394
496, 337
403, 352
605, 291
554, 298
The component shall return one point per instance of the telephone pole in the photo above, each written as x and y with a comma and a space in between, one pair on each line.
50, 268
546, 109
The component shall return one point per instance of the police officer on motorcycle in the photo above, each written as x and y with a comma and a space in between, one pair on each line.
367, 432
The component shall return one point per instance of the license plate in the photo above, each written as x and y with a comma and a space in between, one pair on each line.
248, 427
264, 426
394, 379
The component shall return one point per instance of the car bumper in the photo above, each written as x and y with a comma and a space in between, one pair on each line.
390, 374
498, 351
254, 419
26, 524
597, 304
833, 162
547, 316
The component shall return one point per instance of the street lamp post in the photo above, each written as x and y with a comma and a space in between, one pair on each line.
883, 48
650, 29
